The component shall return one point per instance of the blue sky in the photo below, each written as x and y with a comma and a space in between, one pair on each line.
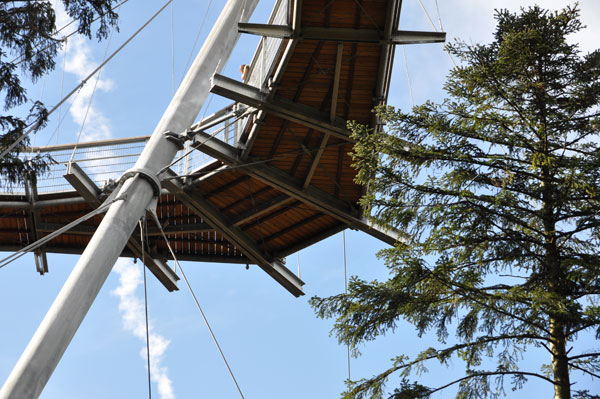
274, 344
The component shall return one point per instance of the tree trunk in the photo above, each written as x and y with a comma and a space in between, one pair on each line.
560, 365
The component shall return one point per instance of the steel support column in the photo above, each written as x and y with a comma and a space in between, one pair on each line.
40, 358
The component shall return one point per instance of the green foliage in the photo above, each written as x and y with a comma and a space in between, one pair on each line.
28, 47
498, 188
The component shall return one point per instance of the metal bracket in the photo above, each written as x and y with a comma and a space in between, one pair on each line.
187, 135
175, 139
146, 174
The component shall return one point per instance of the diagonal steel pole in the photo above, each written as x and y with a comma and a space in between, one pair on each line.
40, 358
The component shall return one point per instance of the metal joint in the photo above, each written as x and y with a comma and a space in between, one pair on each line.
175, 139
146, 174
239, 109
187, 135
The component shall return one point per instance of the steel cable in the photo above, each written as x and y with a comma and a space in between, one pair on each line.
155, 216
33, 126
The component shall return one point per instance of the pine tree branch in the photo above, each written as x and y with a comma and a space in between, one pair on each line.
514, 106
584, 355
492, 373
451, 284
584, 370
443, 354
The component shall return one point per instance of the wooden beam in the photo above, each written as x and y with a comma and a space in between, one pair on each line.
292, 227
276, 213
313, 239
332, 112
336, 81
88, 230
253, 133
127, 253
207, 211
263, 209
315, 161
279, 106
227, 186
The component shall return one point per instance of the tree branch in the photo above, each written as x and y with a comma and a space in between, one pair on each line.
489, 373
595, 354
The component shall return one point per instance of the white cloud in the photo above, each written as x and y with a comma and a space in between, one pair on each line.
473, 20
134, 321
80, 62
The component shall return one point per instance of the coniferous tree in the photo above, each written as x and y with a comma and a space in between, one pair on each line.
498, 191
28, 47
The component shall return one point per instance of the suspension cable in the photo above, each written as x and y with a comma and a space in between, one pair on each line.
435, 29
346, 292
155, 217
187, 63
437, 7
34, 125
172, 50
62, 87
143, 223
410, 90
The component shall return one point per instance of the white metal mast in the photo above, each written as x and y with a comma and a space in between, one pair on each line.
40, 358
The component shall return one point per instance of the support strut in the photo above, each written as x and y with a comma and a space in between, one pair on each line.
44, 351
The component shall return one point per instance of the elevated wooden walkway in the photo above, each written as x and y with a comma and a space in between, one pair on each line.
279, 177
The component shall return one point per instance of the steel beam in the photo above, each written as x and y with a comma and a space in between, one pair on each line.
41, 261
161, 270
207, 211
218, 117
86, 187
297, 14
83, 184
293, 187
205, 176
279, 106
416, 37
333, 109
386, 58
249, 142
343, 34
269, 30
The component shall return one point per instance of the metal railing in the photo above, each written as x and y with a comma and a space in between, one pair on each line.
269, 48
105, 161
